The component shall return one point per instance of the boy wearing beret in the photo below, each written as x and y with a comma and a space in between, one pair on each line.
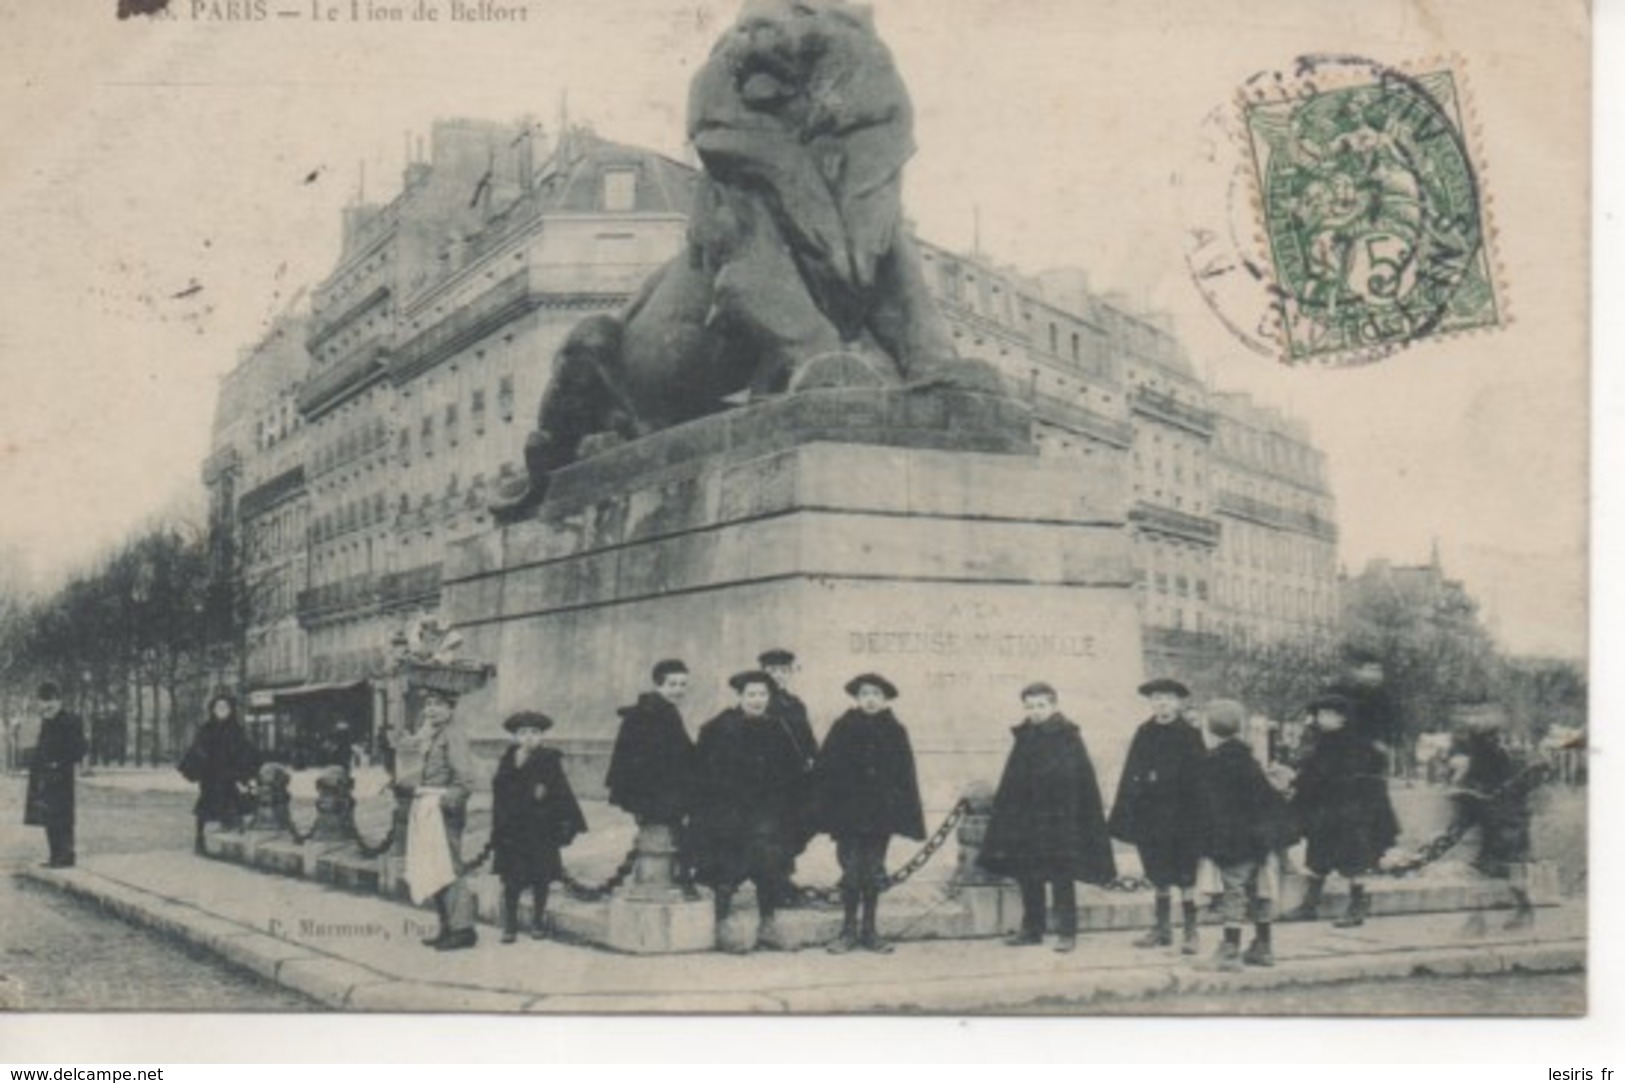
1242, 819
748, 773
534, 815
1157, 810
1047, 826
1492, 794
865, 790
1340, 799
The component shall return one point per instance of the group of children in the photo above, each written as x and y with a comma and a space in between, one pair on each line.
744, 799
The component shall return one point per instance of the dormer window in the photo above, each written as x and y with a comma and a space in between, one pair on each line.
620, 189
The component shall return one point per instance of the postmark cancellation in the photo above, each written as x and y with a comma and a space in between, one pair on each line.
1371, 207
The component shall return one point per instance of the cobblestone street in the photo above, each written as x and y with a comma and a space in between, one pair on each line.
59, 954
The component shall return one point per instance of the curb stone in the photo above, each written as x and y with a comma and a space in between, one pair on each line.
340, 983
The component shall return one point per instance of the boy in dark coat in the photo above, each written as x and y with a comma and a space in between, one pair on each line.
780, 664
1340, 800
865, 791
220, 760
1492, 794
1156, 807
534, 815
1047, 825
50, 799
651, 769
746, 794
1241, 819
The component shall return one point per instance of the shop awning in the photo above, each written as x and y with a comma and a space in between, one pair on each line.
310, 691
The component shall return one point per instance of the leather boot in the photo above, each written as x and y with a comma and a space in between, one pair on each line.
1523, 916
870, 936
538, 912
1228, 957
1309, 909
849, 925
1192, 941
510, 913
1162, 933
1359, 906
1259, 952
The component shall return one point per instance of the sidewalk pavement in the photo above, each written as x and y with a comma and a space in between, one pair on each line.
361, 952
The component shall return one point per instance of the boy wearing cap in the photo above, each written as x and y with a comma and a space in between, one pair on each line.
1340, 800
534, 815
865, 790
1157, 807
50, 799
787, 707
747, 775
1241, 820
1047, 825
446, 773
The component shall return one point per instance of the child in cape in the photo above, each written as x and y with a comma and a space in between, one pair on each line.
534, 815
865, 791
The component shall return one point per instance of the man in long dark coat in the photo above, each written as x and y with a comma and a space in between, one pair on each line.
50, 800
1340, 801
534, 815
787, 707
1156, 807
865, 790
745, 814
1047, 825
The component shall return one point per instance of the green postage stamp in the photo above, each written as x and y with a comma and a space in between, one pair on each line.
1373, 213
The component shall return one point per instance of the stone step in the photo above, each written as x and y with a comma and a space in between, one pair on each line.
665, 922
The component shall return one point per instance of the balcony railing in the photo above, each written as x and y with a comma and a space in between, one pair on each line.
1228, 502
345, 595
1181, 524
411, 586
355, 368
1167, 408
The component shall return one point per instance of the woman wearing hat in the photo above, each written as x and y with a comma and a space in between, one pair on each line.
220, 760
1340, 801
748, 786
1157, 807
534, 815
865, 791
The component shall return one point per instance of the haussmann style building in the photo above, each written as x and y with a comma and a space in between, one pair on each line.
358, 440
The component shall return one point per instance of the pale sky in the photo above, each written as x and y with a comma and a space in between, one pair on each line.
168, 186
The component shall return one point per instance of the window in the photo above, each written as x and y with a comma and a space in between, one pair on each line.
505, 397
477, 409
620, 189
428, 435
451, 425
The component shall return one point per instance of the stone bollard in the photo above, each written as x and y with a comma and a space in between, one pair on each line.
983, 893
335, 806
654, 873
649, 915
270, 800
971, 832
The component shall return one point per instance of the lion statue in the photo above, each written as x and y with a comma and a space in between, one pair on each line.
798, 270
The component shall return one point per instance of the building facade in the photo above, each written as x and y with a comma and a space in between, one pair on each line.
430, 343
1276, 568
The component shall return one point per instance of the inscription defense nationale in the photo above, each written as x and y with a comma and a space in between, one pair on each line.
973, 645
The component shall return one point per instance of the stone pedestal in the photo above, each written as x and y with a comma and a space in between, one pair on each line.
917, 533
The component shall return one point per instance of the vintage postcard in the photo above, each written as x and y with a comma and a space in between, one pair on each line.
742, 507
